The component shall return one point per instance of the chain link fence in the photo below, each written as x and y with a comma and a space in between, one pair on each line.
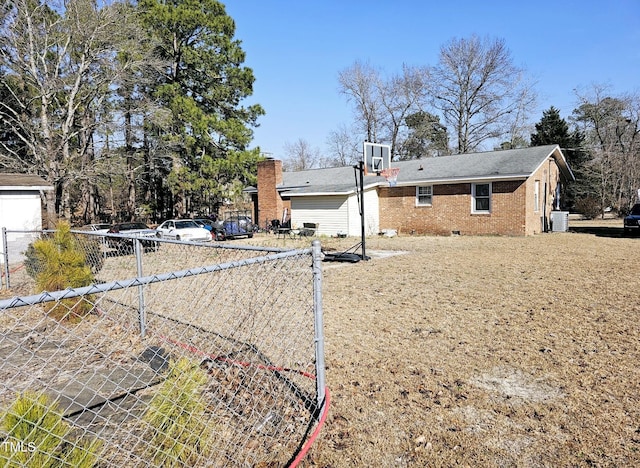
177, 354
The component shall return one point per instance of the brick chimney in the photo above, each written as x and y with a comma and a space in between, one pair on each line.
270, 204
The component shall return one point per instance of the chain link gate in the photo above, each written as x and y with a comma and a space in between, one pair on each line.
218, 361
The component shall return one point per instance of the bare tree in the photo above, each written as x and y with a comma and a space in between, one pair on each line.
611, 125
400, 96
300, 156
360, 84
519, 126
381, 105
61, 58
344, 147
476, 87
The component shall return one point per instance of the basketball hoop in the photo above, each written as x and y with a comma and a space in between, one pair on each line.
391, 175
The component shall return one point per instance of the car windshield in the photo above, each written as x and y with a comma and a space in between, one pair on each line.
186, 224
636, 209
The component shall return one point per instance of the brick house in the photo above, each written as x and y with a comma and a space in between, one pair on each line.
507, 192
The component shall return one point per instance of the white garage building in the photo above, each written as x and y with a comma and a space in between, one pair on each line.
20, 209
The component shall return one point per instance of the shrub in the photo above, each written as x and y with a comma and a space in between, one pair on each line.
588, 207
38, 436
62, 264
177, 418
90, 246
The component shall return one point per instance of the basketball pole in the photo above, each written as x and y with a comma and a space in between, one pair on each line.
362, 233
359, 176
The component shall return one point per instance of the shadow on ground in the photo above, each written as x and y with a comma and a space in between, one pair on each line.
600, 231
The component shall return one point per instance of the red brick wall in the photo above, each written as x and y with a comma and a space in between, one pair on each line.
450, 210
270, 203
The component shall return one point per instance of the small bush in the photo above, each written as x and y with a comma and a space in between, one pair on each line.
588, 207
177, 418
90, 247
37, 436
61, 264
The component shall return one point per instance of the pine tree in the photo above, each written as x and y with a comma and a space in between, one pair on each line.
203, 86
554, 130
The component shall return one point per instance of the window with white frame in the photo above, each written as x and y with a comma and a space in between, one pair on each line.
481, 198
536, 196
424, 194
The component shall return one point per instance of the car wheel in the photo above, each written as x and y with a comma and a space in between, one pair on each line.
250, 235
177, 238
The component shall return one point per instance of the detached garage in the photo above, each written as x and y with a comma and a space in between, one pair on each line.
20, 206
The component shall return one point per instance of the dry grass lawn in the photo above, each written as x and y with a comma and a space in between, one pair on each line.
484, 351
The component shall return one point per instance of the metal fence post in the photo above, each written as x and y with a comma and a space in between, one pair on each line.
318, 324
5, 253
138, 249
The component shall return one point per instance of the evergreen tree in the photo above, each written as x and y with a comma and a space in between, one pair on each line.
427, 136
203, 86
14, 155
554, 130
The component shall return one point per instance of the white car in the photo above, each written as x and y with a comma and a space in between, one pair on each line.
183, 229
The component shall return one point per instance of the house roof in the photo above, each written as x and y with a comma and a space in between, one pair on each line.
486, 166
491, 165
328, 181
10, 181
515, 164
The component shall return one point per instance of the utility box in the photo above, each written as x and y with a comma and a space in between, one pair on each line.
559, 221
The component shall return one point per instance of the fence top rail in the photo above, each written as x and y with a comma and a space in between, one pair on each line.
214, 245
46, 296
168, 241
22, 231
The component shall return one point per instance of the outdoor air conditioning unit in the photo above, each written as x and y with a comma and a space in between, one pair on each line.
559, 221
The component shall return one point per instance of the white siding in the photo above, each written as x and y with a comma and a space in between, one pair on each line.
371, 214
19, 211
329, 211
337, 213
354, 216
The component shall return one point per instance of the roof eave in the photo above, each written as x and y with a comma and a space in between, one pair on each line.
457, 180
284, 191
33, 188
315, 194
561, 162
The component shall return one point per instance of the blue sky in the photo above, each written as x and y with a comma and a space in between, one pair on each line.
297, 48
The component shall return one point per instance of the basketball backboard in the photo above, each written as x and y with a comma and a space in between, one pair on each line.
376, 157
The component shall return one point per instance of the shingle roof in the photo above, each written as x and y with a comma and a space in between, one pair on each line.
504, 164
328, 180
9, 181
515, 163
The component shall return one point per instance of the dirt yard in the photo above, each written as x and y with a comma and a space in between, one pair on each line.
485, 351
